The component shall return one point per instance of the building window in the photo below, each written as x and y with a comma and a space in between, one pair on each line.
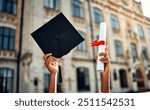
8, 6
7, 38
114, 22
140, 31
133, 51
138, 73
82, 45
134, 77
46, 82
140, 80
77, 9
123, 78
115, 75
36, 81
148, 75
83, 82
149, 33
6, 80
111, 85
144, 53
118, 48
52, 4
125, 2
98, 16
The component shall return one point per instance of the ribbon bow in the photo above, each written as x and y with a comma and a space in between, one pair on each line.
97, 43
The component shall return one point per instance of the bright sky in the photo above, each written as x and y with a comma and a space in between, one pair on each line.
145, 7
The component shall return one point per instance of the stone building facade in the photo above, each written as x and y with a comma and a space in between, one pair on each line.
128, 39
10, 15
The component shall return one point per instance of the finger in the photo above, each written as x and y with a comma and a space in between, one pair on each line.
47, 55
53, 59
49, 60
49, 63
53, 64
106, 49
106, 62
56, 59
56, 64
103, 54
46, 62
96, 57
104, 59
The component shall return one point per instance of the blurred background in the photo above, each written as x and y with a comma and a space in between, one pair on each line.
21, 60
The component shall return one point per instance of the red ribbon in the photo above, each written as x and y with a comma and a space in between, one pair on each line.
97, 43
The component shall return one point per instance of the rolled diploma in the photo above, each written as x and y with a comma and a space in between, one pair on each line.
101, 48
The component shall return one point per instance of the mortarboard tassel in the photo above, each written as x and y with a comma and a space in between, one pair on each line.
59, 74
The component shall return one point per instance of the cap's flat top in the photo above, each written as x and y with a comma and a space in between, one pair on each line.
57, 36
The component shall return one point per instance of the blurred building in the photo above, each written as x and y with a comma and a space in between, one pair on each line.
21, 60
10, 17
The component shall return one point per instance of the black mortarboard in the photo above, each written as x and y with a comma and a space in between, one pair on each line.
57, 36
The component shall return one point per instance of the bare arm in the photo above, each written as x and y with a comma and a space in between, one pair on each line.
105, 84
52, 65
53, 83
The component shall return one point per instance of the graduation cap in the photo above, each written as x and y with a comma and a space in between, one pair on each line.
57, 36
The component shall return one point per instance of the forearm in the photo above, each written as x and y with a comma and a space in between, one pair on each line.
105, 83
53, 83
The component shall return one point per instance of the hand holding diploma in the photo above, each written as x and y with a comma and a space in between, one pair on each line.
101, 44
105, 79
102, 58
105, 60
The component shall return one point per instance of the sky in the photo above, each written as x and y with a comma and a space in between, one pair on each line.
145, 7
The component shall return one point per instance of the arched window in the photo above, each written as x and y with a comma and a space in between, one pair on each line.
148, 75
98, 15
123, 78
115, 75
149, 33
133, 51
52, 4
140, 31
46, 80
7, 38
77, 9
144, 53
83, 82
138, 74
118, 48
82, 45
6, 80
8, 6
114, 22
140, 80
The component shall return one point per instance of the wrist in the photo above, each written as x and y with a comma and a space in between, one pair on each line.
105, 75
53, 75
